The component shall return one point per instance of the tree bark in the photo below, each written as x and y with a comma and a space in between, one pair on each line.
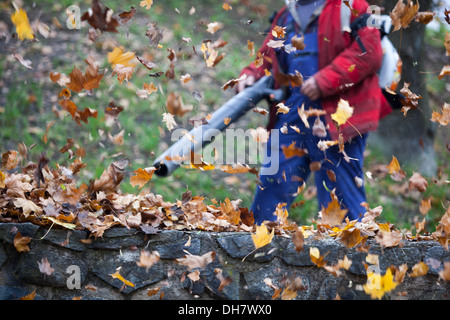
409, 138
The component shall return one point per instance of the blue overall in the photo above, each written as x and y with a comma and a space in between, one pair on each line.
282, 187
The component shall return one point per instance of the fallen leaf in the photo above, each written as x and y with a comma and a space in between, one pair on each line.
20, 19
27, 207
444, 274
316, 258
169, 120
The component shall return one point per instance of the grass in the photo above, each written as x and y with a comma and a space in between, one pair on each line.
27, 102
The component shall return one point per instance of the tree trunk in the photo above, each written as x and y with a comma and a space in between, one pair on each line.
409, 139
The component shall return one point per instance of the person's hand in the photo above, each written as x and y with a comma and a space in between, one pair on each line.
311, 89
247, 82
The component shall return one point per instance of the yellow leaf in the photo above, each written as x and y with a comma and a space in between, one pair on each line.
343, 112
20, 19
116, 275
378, 285
262, 236
142, 176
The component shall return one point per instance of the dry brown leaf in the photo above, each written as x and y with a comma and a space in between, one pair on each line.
44, 267
403, 14
419, 269
147, 259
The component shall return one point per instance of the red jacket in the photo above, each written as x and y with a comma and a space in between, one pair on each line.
337, 78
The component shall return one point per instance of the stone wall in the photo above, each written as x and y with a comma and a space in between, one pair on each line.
93, 263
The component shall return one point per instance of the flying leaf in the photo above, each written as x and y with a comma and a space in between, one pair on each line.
447, 43
148, 259
417, 181
343, 112
21, 242
146, 3
444, 274
262, 236
442, 118
193, 261
101, 18
292, 151
298, 239
395, 171
20, 19
116, 275
419, 269
388, 239
119, 56
444, 72
403, 14
44, 267
142, 176
378, 285
27, 206
175, 105
333, 214
316, 258
169, 120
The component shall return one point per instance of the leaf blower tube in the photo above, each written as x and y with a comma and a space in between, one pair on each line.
228, 113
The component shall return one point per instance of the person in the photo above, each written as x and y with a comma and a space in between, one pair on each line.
334, 66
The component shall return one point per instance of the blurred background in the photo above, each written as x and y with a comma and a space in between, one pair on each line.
30, 112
